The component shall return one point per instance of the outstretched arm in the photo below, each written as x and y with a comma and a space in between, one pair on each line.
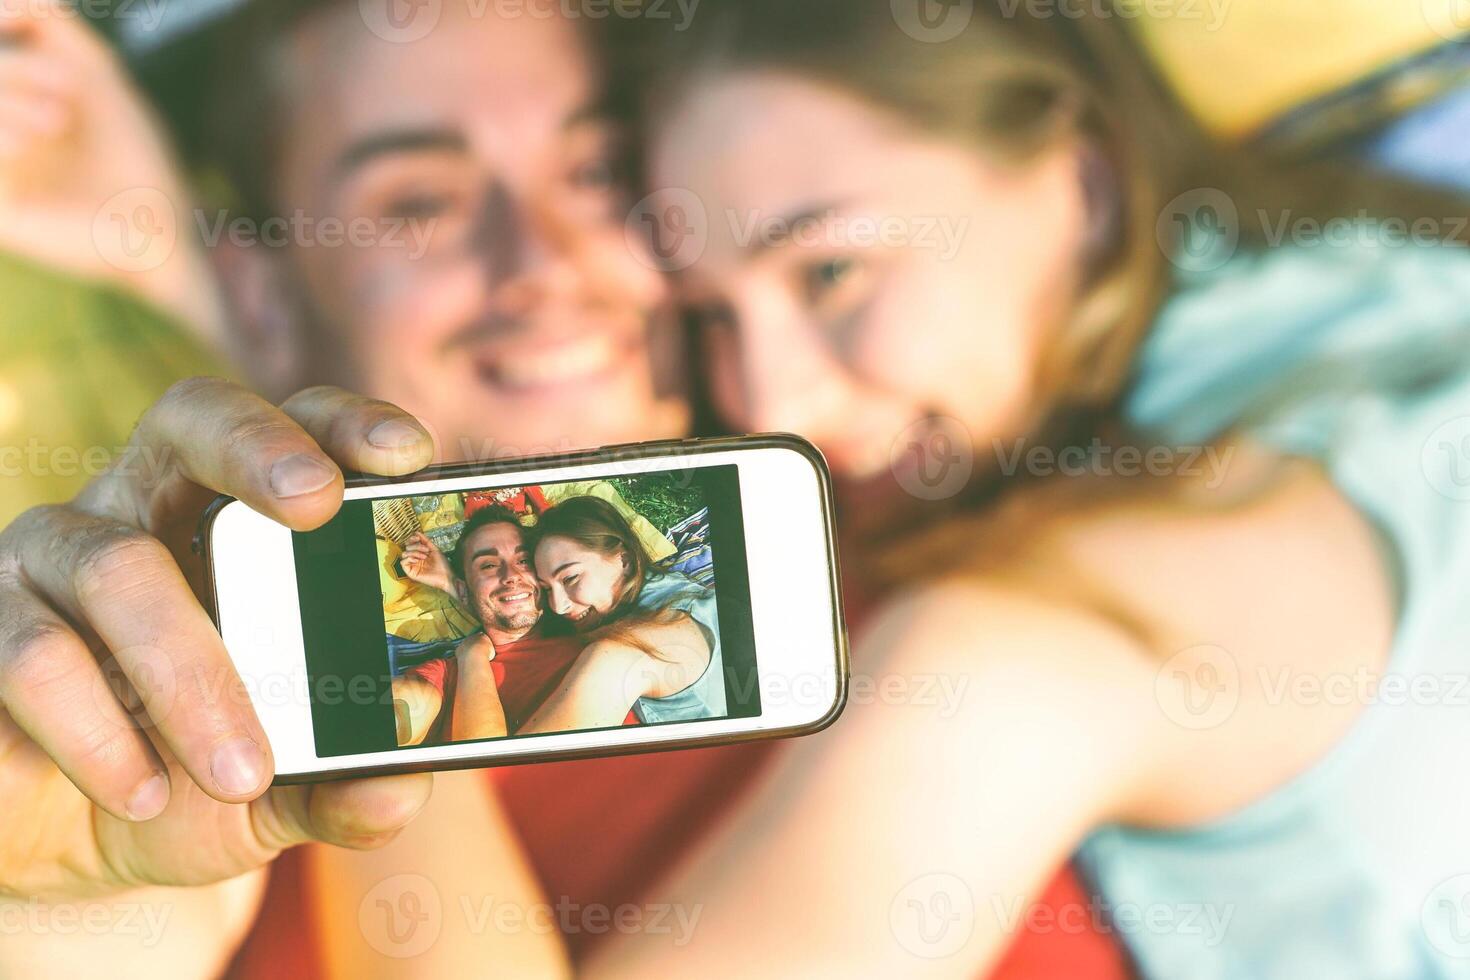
648, 659
1010, 743
478, 712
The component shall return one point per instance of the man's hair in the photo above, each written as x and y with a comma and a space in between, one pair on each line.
490, 514
238, 139
240, 136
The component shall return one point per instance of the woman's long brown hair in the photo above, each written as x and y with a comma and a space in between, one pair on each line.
1014, 85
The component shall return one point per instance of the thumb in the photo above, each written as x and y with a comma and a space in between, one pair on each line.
359, 813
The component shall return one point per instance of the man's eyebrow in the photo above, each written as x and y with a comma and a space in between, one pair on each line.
398, 141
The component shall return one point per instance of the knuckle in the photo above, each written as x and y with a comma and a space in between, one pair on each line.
312, 397
115, 554
182, 394
33, 658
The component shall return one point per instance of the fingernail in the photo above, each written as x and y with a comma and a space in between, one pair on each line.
238, 766
394, 434
300, 474
149, 799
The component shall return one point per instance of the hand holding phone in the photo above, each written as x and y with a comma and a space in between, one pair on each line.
122, 710
630, 599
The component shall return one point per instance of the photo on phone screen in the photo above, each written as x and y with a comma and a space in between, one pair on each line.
594, 604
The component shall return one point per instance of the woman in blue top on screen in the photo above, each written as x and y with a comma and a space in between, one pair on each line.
655, 635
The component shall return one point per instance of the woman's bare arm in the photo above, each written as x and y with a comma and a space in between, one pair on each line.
651, 658
452, 896
997, 730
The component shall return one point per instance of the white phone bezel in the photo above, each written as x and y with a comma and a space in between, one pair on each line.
795, 610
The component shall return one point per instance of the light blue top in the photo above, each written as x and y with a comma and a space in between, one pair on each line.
1359, 867
705, 698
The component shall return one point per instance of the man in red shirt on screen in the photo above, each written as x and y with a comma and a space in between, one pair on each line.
498, 677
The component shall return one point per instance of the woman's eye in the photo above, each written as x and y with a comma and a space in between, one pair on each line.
833, 274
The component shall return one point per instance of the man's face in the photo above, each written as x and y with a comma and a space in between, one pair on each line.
499, 297
499, 583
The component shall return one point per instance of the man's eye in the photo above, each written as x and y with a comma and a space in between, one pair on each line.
595, 175
420, 206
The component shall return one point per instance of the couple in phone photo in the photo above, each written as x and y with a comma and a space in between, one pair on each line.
568, 624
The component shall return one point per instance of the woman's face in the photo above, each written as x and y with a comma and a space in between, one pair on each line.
582, 585
857, 277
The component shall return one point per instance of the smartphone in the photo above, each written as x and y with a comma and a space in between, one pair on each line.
630, 599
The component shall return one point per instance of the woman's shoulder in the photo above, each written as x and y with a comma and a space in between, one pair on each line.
1197, 609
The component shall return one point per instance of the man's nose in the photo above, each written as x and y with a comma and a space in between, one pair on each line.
527, 258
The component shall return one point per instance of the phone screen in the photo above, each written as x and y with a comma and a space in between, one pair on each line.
612, 602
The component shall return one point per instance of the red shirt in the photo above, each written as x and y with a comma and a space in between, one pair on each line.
606, 830
526, 672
